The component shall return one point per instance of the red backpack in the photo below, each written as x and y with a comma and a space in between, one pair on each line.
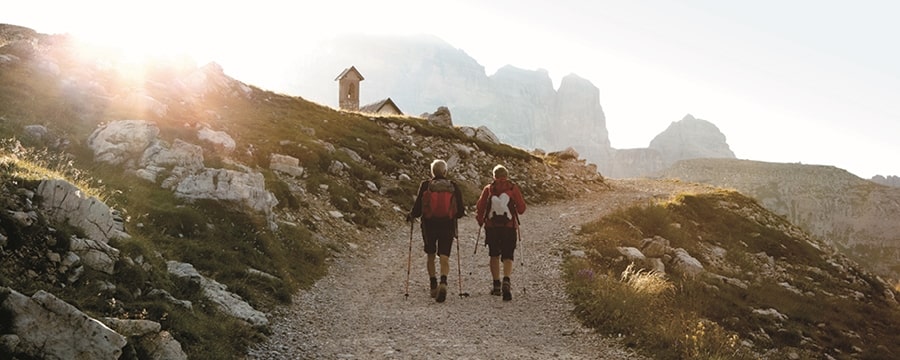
438, 201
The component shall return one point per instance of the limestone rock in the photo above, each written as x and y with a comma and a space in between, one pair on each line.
219, 139
97, 255
228, 185
685, 265
441, 117
116, 142
655, 247
49, 328
180, 154
64, 202
230, 303
286, 164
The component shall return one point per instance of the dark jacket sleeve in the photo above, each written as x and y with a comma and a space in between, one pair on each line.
481, 205
416, 210
460, 207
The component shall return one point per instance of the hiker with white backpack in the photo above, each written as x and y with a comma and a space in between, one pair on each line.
498, 211
439, 203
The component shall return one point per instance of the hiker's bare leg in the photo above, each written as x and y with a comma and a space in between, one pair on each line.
507, 267
430, 265
495, 267
445, 265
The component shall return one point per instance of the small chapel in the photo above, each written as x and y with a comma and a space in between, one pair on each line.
348, 95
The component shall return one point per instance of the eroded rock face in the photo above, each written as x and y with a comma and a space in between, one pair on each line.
46, 327
218, 293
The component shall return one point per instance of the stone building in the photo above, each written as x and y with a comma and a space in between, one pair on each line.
348, 89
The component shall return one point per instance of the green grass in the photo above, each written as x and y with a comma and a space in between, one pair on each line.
704, 320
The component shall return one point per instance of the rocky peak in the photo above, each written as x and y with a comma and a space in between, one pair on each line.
691, 138
889, 180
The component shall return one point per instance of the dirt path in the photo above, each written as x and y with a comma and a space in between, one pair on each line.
358, 310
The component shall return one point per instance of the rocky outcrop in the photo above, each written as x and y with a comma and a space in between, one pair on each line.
134, 144
44, 327
228, 302
63, 202
147, 336
440, 117
118, 141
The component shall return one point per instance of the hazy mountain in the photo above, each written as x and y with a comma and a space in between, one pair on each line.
890, 180
857, 216
521, 106
689, 138
421, 73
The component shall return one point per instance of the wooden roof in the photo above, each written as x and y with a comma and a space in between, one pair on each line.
347, 71
376, 107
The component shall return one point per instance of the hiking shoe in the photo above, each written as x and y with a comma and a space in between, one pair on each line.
496, 288
441, 293
506, 290
434, 286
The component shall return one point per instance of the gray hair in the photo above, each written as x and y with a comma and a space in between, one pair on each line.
500, 172
439, 168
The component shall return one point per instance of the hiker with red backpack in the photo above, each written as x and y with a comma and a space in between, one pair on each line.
439, 204
499, 207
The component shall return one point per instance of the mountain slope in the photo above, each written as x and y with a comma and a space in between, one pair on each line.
223, 191
856, 216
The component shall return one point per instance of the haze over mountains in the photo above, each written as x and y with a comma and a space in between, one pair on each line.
420, 73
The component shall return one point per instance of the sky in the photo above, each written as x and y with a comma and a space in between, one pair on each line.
802, 81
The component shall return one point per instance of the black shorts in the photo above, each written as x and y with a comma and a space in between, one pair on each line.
501, 241
438, 235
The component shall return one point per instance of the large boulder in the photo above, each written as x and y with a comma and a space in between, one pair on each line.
247, 188
218, 139
118, 141
63, 202
45, 327
148, 338
441, 117
685, 265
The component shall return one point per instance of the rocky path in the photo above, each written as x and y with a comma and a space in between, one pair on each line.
359, 311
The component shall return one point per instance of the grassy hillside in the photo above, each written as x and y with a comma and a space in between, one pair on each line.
832, 204
767, 287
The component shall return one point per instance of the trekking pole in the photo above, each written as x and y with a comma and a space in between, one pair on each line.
522, 261
458, 264
476, 240
409, 259
474, 259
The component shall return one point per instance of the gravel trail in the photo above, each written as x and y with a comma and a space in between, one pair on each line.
359, 311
